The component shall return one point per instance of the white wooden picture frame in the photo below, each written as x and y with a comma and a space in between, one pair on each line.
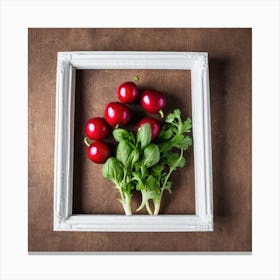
67, 64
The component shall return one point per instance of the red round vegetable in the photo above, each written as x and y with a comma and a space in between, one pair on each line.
154, 124
117, 113
152, 101
96, 128
127, 92
98, 152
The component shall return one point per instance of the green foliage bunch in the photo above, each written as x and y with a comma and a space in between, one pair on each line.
146, 166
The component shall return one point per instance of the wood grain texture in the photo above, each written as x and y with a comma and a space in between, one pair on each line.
230, 86
96, 88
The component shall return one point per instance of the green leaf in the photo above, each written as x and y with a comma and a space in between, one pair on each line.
186, 142
172, 117
144, 171
144, 135
181, 163
165, 146
182, 142
131, 138
121, 134
152, 183
140, 186
157, 169
123, 152
172, 158
151, 155
112, 169
136, 178
155, 194
127, 188
134, 157
166, 132
168, 186
150, 190
187, 125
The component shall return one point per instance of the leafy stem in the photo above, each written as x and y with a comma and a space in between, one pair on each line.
172, 138
149, 209
125, 199
172, 168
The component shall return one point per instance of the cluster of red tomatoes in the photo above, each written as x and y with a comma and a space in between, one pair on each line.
117, 113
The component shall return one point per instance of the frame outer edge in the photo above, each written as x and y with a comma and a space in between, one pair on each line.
65, 92
209, 171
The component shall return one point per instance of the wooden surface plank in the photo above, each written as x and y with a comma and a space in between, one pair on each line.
95, 88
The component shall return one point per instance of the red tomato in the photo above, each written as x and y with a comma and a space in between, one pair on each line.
152, 101
98, 152
127, 92
117, 113
154, 124
96, 128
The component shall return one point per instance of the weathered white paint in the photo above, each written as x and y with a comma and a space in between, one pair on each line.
67, 64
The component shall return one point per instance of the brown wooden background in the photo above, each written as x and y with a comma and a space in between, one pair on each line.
230, 84
96, 88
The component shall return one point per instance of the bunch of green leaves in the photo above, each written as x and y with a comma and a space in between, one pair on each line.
172, 141
145, 166
133, 153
